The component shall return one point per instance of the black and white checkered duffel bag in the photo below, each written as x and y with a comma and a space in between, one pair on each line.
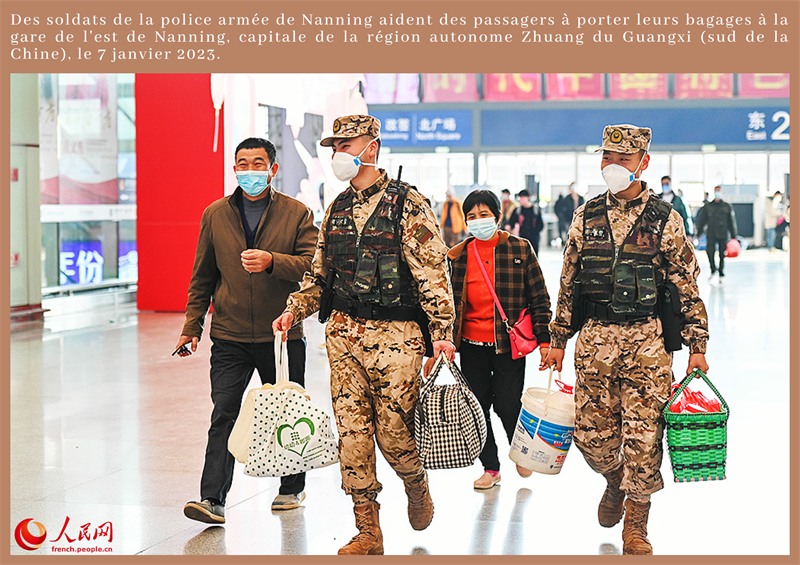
449, 426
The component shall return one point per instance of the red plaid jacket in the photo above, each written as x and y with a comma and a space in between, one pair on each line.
518, 282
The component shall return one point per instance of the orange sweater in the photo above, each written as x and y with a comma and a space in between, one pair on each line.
479, 312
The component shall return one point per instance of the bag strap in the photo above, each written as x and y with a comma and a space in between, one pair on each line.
685, 382
281, 360
443, 360
503, 316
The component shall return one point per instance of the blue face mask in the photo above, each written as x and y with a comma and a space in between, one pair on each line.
253, 182
483, 228
717, 196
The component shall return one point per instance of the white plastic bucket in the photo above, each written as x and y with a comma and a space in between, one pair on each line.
544, 429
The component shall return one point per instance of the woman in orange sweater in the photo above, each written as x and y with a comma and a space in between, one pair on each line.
480, 335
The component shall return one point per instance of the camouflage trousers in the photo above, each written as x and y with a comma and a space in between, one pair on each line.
375, 380
624, 376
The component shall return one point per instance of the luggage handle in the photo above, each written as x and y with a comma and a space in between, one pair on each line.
282, 368
281, 360
435, 373
562, 387
685, 382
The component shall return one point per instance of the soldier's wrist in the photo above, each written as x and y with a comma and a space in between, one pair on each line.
441, 336
294, 312
697, 347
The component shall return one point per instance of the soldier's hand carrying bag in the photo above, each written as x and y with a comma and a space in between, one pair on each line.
449, 426
521, 333
284, 432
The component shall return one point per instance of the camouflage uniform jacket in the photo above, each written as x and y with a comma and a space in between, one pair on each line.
676, 261
518, 282
423, 251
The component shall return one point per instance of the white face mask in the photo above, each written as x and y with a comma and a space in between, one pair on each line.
482, 228
618, 178
346, 167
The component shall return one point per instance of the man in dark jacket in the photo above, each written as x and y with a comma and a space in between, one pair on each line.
254, 247
677, 202
565, 207
718, 220
528, 220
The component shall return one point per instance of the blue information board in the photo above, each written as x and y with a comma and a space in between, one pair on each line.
756, 126
427, 128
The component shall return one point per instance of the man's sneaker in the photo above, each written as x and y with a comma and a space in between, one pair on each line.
288, 501
721, 279
713, 278
208, 511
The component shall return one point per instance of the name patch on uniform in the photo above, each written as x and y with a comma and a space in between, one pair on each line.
597, 234
422, 234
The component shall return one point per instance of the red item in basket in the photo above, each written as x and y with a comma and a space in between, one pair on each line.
693, 401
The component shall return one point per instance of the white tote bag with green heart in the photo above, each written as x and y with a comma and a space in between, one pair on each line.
289, 435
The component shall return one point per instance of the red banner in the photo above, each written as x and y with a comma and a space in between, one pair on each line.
764, 85
574, 86
703, 85
449, 87
638, 86
512, 87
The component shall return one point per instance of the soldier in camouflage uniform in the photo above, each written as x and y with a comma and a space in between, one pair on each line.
381, 240
626, 247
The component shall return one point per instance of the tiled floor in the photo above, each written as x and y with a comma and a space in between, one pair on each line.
107, 427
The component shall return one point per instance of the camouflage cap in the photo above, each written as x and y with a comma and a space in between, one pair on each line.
625, 138
353, 126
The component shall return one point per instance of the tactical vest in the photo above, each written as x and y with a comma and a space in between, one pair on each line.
369, 267
621, 284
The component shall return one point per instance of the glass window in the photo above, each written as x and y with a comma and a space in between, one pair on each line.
433, 171
589, 181
778, 173
501, 172
461, 167
88, 162
128, 262
719, 168
87, 252
751, 168
50, 255
687, 167
659, 167
560, 170
532, 165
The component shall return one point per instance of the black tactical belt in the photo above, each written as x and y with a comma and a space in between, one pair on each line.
604, 313
373, 312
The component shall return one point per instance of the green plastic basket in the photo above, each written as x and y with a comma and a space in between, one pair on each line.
697, 441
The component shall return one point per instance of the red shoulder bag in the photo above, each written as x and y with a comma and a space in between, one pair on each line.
521, 333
